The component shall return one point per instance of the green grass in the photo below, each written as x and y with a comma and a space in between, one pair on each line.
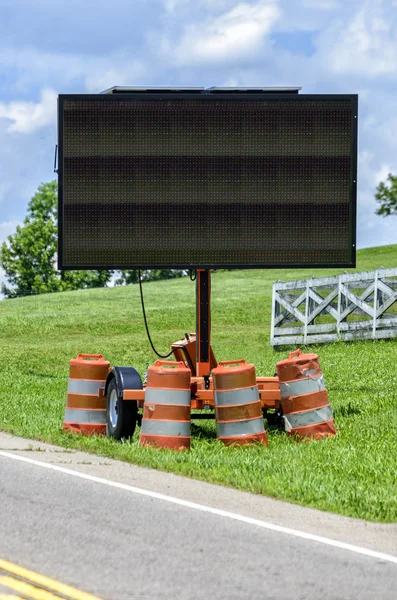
354, 473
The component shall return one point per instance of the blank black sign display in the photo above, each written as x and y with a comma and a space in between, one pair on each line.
201, 180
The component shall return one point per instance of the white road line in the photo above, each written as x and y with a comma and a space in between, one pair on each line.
208, 509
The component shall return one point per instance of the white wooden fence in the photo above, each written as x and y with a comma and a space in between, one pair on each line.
326, 309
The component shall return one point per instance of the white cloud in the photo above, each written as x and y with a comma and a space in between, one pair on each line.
382, 173
173, 6
367, 45
28, 117
366, 170
324, 5
123, 71
373, 230
8, 228
93, 73
198, 42
235, 34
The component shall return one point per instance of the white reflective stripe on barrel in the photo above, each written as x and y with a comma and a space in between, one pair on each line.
309, 417
240, 428
83, 415
233, 397
159, 396
299, 387
85, 386
160, 427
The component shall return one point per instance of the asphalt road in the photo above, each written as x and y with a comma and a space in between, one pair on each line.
121, 545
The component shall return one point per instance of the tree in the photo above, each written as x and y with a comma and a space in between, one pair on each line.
28, 257
127, 277
386, 196
157, 274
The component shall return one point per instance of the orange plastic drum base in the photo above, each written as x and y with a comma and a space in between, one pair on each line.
243, 440
316, 432
85, 428
165, 441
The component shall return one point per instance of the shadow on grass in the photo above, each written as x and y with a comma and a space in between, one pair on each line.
203, 432
347, 410
41, 375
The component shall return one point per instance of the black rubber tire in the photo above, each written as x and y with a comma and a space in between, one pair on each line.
270, 418
127, 412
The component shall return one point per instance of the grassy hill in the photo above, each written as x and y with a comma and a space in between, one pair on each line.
354, 473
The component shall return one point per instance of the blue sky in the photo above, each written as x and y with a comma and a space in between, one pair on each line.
326, 46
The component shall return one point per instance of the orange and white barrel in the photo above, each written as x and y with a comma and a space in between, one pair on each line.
85, 410
166, 411
238, 410
304, 397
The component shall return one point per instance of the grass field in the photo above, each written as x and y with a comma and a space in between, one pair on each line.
354, 473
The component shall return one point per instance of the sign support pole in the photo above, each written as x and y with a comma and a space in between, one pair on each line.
203, 324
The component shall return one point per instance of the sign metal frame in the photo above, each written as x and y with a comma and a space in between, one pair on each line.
204, 96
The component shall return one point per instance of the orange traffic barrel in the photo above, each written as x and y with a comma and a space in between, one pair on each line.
304, 397
238, 410
85, 410
166, 411
298, 365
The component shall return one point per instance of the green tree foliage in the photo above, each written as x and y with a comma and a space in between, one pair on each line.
28, 257
157, 274
127, 277
386, 196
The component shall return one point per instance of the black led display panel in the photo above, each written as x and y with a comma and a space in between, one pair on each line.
207, 180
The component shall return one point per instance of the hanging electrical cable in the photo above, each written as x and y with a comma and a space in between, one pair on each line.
145, 321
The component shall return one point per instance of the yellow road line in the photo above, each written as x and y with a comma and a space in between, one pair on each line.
26, 589
50, 584
8, 597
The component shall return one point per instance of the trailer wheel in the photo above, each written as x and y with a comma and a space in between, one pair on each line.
121, 415
270, 417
